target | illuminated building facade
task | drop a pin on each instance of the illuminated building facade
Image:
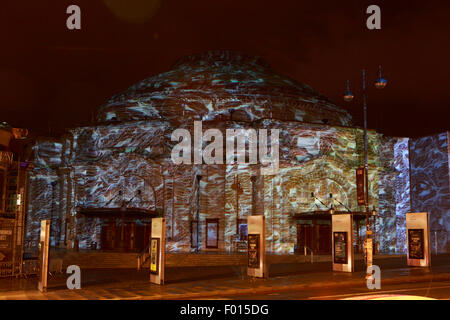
(101, 184)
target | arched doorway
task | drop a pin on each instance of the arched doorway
(117, 199)
(310, 192)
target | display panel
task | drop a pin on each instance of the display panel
(253, 251)
(340, 247)
(43, 255)
(416, 244)
(157, 250)
(418, 239)
(154, 255)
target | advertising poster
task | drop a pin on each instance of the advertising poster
(416, 244)
(340, 247)
(342, 239)
(43, 255)
(256, 249)
(154, 255)
(253, 251)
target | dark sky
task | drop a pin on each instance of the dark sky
(51, 77)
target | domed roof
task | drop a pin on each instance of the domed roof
(219, 86)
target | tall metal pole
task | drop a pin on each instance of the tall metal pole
(366, 172)
(365, 145)
(16, 217)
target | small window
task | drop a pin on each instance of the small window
(242, 228)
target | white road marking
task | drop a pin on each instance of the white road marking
(378, 292)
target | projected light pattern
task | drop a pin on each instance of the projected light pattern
(213, 85)
(104, 167)
(394, 195)
(45, 200)
(124, 162)
(430, 185)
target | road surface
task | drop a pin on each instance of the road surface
(435, 290)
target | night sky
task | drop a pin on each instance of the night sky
(52, 78)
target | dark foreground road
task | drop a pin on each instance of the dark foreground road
(436, 290)
(285, 281)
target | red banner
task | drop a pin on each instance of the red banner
(360, 186)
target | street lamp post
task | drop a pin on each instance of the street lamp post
(366, 174)
(380, 83)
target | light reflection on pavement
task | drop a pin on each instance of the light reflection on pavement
(389, 297)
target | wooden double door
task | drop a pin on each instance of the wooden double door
(131, 237)
(316, 237)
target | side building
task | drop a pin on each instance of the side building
(14, 169)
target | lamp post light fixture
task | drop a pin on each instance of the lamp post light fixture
(331, 210)
(348, 95)
(380, 83)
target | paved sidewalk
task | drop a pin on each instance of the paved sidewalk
(208, 282)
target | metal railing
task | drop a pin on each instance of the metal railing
(30, 267)
(8, 269)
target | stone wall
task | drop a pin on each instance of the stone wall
(430, 185)
(105, 167)
(44, 191)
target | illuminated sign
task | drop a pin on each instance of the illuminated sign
(154, 255)
(418, 237)
(416, 244)
(157, 250)
(256, 249)
(340, 247)
(253, 251)
(43, 255)
(342, 239)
